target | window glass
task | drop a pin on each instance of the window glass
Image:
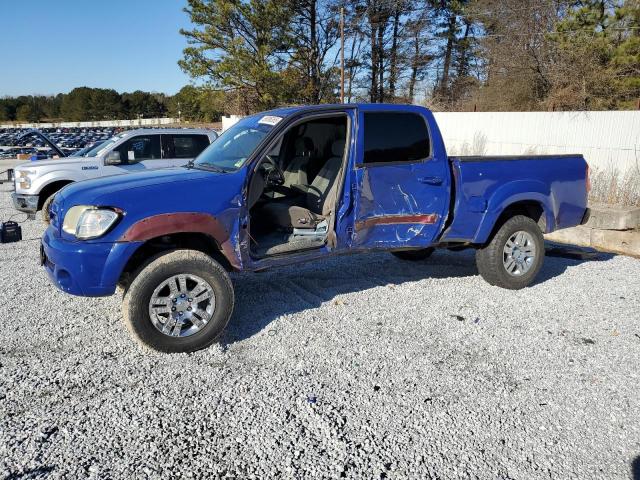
(232, 149)
(184, 146)
(391, 137)
(143, 147)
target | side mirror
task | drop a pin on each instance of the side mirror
(112, 158)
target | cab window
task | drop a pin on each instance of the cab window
(395, 137)
(142, 147)
(183, 146)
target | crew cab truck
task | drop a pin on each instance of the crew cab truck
(36, 183)
(296, 185)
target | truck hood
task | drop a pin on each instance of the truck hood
(155, 192)
(55, 162)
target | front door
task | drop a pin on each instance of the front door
(401, 190)
(137, 154)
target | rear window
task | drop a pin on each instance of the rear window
(393, 137)
(184, 146)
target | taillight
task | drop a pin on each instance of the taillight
(588, 179)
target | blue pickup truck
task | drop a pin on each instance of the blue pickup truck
(295, 185)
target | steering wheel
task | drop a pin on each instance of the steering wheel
(273, 174)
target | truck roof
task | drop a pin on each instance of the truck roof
(290, 110)
(138, 131)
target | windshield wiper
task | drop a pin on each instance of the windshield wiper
(209, 166)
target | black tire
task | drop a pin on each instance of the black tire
(413, 255)
(45, 208)
(135, 307)
(490, 259)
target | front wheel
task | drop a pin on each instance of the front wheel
(45, 208)
(514, 256)
(179, 302)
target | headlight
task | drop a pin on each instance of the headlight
(23, 180)
(86, 222)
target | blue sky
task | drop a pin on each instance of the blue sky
(52, 46)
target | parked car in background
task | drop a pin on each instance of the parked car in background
(132, 151)
(296, 185)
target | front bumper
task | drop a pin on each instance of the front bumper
(89, 269)
(25, 203)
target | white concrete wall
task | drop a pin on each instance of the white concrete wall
(606, 139)
(141, 122)
(229, 121)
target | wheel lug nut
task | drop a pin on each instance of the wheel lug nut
(173, 309)
(190, 300)
(189, 308)
(182, 295)
(173, 300)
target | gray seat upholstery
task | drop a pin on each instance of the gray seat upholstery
(308, 210)
(295, 173)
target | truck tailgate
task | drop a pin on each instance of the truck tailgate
(485, 186)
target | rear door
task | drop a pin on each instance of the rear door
(402, 189)
(178, 148)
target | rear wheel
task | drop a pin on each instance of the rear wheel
(179, 302)
(413, 255)
(514, 256)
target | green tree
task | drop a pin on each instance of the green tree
(598, 48)
(142, 104)
(76, 105)
(239, 46)
(28, 112)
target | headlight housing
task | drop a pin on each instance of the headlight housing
(86, 222)
(23, 180)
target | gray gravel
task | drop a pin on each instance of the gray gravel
(360, 366)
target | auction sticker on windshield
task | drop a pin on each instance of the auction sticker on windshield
(270, 120)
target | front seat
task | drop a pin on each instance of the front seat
(311, 208)
(295, 173)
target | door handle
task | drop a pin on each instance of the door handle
(431, 180)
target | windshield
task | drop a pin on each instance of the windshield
(232, 149)
(86, 151)
(102, 146)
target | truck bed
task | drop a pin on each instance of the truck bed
(484, 186)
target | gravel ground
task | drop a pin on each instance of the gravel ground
(358, 367)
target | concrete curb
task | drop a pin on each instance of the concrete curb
(626, 242)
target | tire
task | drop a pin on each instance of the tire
(493, 260)
(45, 208)
(198, 269)
(413, 255)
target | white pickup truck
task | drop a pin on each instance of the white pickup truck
(37, 182)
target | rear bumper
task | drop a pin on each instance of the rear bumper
(84, 268)
(25, 203)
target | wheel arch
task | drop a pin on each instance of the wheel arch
(155, 246)
(165, 232)
(532, 199)
(51, 188)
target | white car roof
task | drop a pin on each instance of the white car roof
(184, 131)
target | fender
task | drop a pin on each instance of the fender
(183, 222)
(510, 193)
(55, 176)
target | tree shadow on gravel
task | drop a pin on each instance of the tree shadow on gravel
(39, 472)
(263, 297)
